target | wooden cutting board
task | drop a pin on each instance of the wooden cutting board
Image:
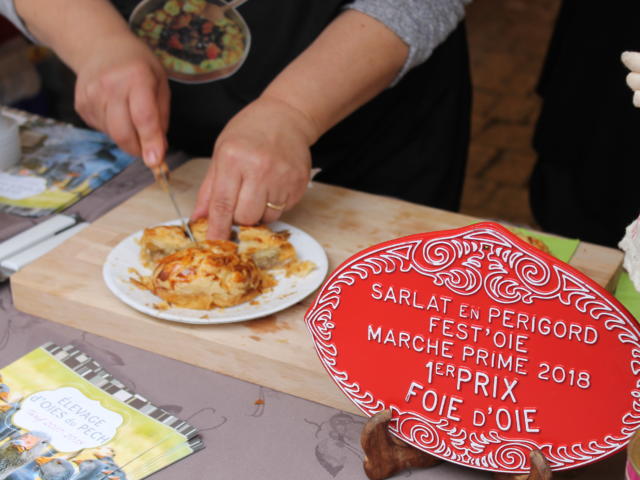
(66, 285)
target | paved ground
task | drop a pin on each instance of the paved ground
(508, 41)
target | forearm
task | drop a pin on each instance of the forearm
(121, 88)
(73, 28)
(421, 24)
(354, 59)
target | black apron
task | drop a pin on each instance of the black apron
(585, 183)
(409, 142)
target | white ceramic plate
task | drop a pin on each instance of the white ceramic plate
(126, 255)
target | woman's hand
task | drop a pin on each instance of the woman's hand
(123, 91)
(261, 160)
(632, 62)
(121, 87)
(260, 167)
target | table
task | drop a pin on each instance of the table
(281, 436)
(67, 286)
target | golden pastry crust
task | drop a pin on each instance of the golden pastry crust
(268, 249)
(214, 273)
(199, 229)
(211, 275)
(159, 242)
(300, 268)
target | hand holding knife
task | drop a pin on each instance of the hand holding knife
(160, 174)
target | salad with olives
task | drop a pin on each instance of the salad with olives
(187, 42)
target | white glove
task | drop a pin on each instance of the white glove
(632, 62)
(630, 244)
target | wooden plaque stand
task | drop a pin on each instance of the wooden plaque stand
(386, 455)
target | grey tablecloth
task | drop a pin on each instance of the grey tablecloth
(280, 437)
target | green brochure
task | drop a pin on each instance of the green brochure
(63, 417)
(561, 248)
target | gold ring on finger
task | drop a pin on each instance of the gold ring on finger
(276, 206)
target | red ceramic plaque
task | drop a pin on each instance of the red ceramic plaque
(483, 347)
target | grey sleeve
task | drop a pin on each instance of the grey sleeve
(8, 10)
(421, 24)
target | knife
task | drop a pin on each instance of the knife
(161, 177)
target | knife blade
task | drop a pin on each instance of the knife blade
(161, 176)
